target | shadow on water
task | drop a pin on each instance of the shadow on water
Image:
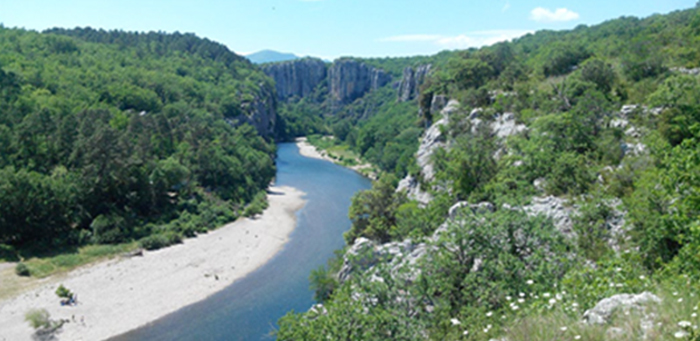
(250, 307)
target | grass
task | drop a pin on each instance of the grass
(679, 303)
(41, 267)
(56, 263)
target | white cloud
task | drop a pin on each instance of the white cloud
(462, 41)
(506, 7)
(560, 14)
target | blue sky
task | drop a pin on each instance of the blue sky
(332, 28)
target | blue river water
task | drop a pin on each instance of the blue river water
(250, 307)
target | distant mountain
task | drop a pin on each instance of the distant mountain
(269, 56)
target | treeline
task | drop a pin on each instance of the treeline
(500, 272)
(107, 137)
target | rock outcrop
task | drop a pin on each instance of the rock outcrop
(260, 113)
(297, 78)
(431, 141)
(603, 311)
(411, 81)
(350, 79)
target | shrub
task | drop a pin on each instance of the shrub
(109, 229)
(38, 318)
(63, 292)
(22, 270)
(160, 240)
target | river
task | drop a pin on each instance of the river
(250, 307)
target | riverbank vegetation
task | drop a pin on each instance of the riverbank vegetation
(573, 156)
(110, 137)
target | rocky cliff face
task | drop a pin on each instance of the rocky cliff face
(349, 80)
(411, 81)
(261, 112)
(296, 78)
(431, 141)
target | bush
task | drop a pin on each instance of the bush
(38, 318)
(22, 270)
(160, 240)
(109, 229)
(63, 292)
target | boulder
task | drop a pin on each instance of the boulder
(603, 311)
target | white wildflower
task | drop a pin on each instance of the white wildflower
(680, 334)
(489, 314)
(694, 315)
(514, 307)
(530, 282)
(455, 322)
(546, 295)
(642, 277)
(577, 337)
(618, 269)
(522, 294)
(521, 300)
(680, 300)
(684, 324)
(675, 293)
(466, 332)
(508, 298)
(563, 328)
(552, 301)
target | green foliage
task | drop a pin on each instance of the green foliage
(600, 73)
(21, 269)
(373, 212)
(103, 133)
(257, 206)
(160, 240)
(63, 292)
(560, 58)
(38, 318)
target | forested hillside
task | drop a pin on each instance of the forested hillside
(563, 170)
(109, 137)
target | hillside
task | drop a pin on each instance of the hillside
(111, 137)
(558, 170)
(269, 56)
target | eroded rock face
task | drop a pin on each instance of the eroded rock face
(411, 81)
(296, 78)
(603, 311)
(431, 141)
(365, 254)
(349, 80)
(261, 112)
(556, 209)
(504, 125)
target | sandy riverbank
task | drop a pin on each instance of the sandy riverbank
(122, 294)
(309, 150)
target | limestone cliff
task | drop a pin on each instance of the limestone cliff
(261, 112)
(296, 78)
(349, 80)
(411, 81)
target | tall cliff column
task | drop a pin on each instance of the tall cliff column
(297, 78)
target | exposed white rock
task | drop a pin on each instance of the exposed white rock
(431, 141)
(505, 125)
(686, 71)
(556, 209)
(601, 313)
